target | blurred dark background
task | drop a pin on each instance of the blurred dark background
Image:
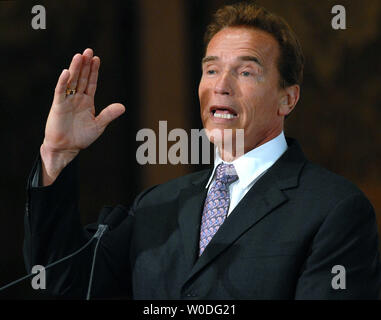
(150, 61)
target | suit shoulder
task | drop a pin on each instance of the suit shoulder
(327, 183)
(327, 196)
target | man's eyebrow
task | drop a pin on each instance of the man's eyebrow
(208, 58)
(251, 58)
(242, 58)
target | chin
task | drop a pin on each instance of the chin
(220, 135)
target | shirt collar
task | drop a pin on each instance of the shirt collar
(253, 163)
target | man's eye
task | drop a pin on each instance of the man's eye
(211, 71)
(246, 73)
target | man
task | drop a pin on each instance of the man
(264, 225)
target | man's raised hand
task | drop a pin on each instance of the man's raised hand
(72, 124)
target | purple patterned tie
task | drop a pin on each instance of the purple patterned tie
(216, 204)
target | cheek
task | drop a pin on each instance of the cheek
(200, 89)
(262, 103)
(251, 102)
(204, 95)
(256, 107)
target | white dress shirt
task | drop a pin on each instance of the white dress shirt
(250, 167)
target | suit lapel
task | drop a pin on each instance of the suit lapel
(190, 205)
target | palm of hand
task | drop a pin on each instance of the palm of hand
(72, 124)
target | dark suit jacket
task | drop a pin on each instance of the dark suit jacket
(280, 242)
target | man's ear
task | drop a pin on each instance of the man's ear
(288, 99)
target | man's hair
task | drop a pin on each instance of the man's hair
(247, 14)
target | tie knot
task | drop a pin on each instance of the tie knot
(226, 173)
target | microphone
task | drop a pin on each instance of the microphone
(112, 216)
(109, 218)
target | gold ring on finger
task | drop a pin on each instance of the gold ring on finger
(70, 92)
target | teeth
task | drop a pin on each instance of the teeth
(224, 115)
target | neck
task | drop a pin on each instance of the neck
(227, 156)
(231, 153)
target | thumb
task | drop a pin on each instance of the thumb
(109, 114)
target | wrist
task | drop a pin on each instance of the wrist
(53, 162)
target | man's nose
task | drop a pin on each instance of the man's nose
(223, 84)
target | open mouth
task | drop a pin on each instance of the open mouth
(223, 112)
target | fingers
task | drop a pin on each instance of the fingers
(60, 91)
(109, 114)
(85, 70)
(93, 76)
(74, 69)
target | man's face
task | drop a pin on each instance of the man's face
(239, 87)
